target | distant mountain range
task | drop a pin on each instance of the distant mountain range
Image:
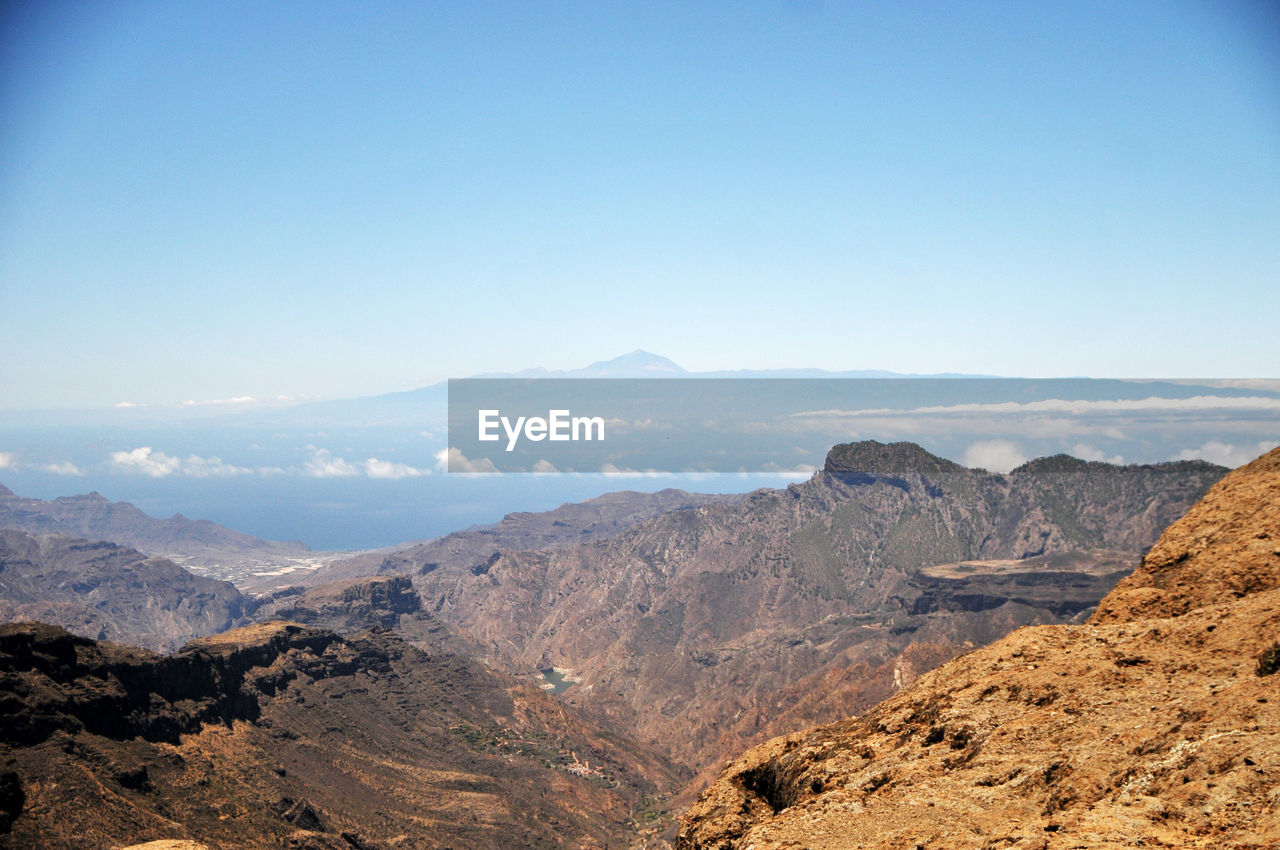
(570, 524)
(680, 627)
(644, 364)
(94, 517)
(416, 404)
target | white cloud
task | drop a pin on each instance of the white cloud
(1226, 454)
(6, 460)
(124, 404)
(146, 462)
(242, 399)
(1073, 406)
(544, 466)
(453, 460)
(1087, 452)
(375, 468)
(325, 465)
(157, 464)
(65, 467)
(994, 455)
(612, 471)
(211, 467)
(796, 471)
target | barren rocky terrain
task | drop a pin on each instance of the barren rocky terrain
(570, 524)
(1156, 724)
(112, 592)
(708, 629)
(280, 735)
(362, 711)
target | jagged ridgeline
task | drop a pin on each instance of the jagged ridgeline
(1155, 724)
(708, 628)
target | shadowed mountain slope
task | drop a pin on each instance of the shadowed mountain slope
(573, 523)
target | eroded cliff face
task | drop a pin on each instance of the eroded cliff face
(710, 628)
(283, 735)
(1156, 724)
(1226, 547)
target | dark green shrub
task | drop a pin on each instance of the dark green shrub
(1269, 660)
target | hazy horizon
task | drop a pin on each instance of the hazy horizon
(216, 201)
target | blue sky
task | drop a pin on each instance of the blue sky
(206, 201)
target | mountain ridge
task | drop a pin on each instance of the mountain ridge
(108, 591)
(706, 626)
(590, 519)
(92, 516)
(1154, 724)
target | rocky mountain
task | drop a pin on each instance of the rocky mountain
(345, 606)
(569, 524)
(1155, 724)
(111, 592)
(93, 517)
(711, 628)
(282, 735)
(677, 639)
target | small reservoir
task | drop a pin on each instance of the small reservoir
(557, 680)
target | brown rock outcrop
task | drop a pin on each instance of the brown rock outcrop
(1226, 547)
(1153, 725)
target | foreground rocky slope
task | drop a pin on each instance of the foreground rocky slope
(1156, 724)
(711, 628)
(111, 592)
(280, 735)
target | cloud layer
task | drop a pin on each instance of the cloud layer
(1226, 454)
(994, 455)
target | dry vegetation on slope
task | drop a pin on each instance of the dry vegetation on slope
(1157, 724)
(279, 735)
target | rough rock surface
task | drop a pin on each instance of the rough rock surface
(1157, 724)
(346, 606)
(280, 735)
(1226, 547)
(576, 522)
(709, 629)
(111, 592)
